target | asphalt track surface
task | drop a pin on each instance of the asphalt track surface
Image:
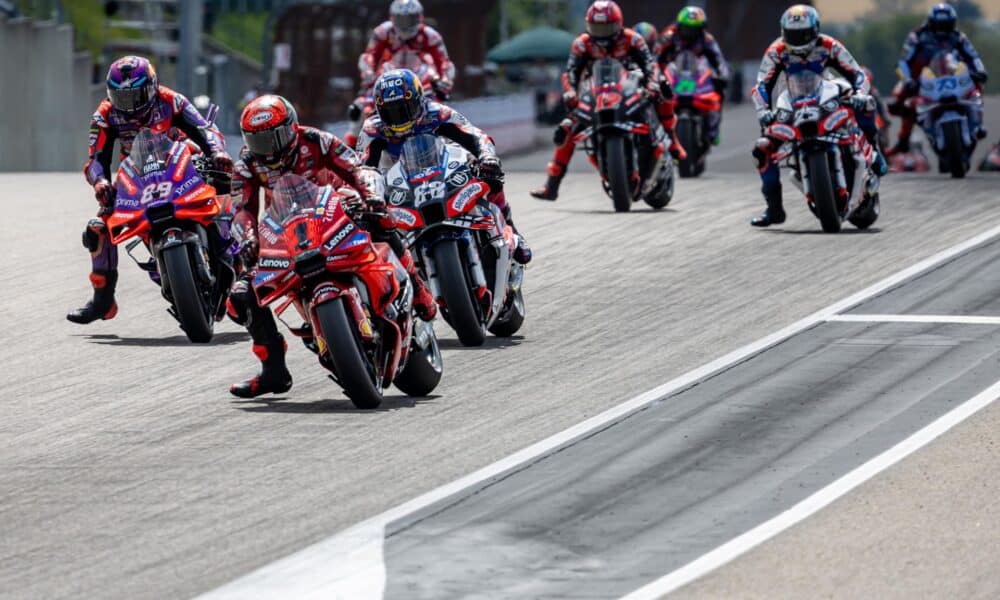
(127, 470)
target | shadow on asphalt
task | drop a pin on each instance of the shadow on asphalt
(340, 405)
(492, 342)
(847, 231)
(220, 339)
(643, 210)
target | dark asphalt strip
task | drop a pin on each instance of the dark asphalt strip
(650, 493)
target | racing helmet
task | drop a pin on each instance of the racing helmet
(648, 32)
(269, 125)
(800, 28)
(399, 100)
(132, 84)
(942, 19)
(605, 22)
(691, 22)
(407, 16)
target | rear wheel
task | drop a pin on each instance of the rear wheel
(824, 197)
(423, 365)
(344, 349)
(954, 149)
(687, 135)
(186, 294)
(457, 295)
(617, 172)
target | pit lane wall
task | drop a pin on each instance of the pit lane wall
(46, 97)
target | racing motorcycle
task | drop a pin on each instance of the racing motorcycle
(422, 64)
(353, 296)
(830, 158)
(463, 245)
(949, 106)
(617, 125)
(695, 102)
(169, 199)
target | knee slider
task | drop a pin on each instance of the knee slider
(93, 233)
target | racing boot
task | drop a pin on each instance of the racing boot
(273, 378)
(676, 150)
(550, 191)
(423, 299)
(522, 253)
(775, 213)
(103, 305)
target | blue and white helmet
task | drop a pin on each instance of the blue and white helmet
(800, 28)
(407, 16)
(942, 18)
(399, 100)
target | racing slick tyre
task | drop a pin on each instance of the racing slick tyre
(457, 294)
(618, 179)
(954, 149)
(423, 367)
(511, 319)
(687, 136)
(867, 213)
(343, 347)
(186, 295)
(821, 184)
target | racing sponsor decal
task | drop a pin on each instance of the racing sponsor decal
(261, 118)
(397, 196)
(459, 179)
(270, 262)
(453, 165)
(338, 237)
(403, 216)
(468, 194)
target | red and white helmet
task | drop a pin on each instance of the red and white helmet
(269, 126)
(407, 16)
(605, 21)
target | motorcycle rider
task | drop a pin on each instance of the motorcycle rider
(938, 33)
(606, 37)
(405, 30)
(135, 101)
(276, 144)
(690, 33)
(402, 111)
(802, 47)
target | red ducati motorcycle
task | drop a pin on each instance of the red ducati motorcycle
(352, 293)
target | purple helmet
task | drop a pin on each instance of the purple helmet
(132, 84)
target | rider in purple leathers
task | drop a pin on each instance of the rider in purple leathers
(135, 101)
(802, 47)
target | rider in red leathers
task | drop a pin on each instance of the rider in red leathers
(405, 30)
(275, 145)
(606, 36)
(135, 102)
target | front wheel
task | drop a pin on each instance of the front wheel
(343, 347)
(617, 172)
(457, 295)
(186, 295)
(824, 197)
(954, 149)
(687, 135)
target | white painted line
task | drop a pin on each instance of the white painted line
(942, 319)
(768, 529)
(349, 564)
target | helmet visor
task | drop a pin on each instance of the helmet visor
(942, 25)
(269, 143)
(800, 38)
(603, 30)
(400, 114)
(131, 99)
(406, 25)
(688, 33)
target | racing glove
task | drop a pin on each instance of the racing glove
(104, 192)
(765, 118)
(490, 171)
(570, 100)
(442, 87)
(221, 161)
(910, 87)
(979, 77)
(862, 103)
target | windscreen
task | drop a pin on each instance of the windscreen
(804, 84)
(421, 152)
(290, 196)
(608, 71)
(150, 151)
